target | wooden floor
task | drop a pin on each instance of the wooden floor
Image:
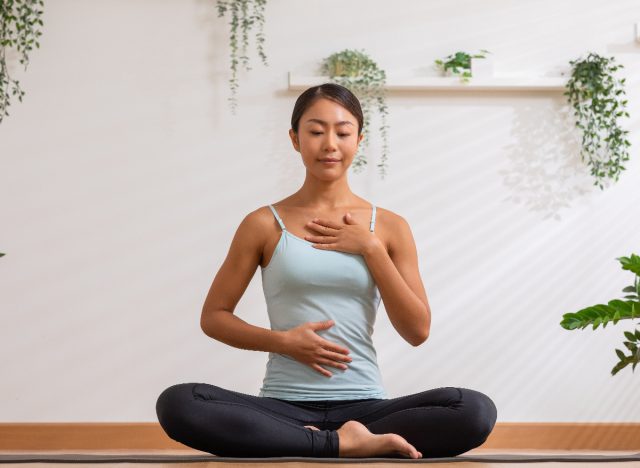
(296, 464)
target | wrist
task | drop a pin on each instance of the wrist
(373, 247)
(279, 341)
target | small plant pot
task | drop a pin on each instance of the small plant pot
(482, 67)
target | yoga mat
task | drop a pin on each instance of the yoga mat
(143, 458)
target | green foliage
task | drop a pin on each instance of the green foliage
(356, 71)
(598, 101)
(631, 263)
(459, 64)
(240, 17)
(613, 311)
(19, 23)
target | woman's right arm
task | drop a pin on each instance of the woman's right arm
(218, 320)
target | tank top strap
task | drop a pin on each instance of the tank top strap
(275, 213)
(373, 218)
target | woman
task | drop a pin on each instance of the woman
(327, 258)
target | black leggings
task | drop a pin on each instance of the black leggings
(442, 422)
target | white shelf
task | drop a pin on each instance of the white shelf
(450, 83)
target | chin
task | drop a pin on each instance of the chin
(329, 175)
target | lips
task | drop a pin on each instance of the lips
(330, 160)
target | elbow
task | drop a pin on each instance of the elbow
(424, 335)
(421, 339)
(210, 321)
(206, 323)
(204, 327)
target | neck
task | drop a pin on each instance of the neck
(325, 195)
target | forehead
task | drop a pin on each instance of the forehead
(327, 112)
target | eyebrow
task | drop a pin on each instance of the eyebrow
(343, 122)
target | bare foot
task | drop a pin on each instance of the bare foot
(314, 428)
(356, 441)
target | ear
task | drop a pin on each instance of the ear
(294, 139)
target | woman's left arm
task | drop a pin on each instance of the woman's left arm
(398, 279)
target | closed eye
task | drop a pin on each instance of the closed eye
(339, 134)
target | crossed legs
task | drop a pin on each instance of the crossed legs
(440, 422)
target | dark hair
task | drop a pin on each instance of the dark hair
(332, 91)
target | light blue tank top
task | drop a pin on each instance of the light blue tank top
(304, 284)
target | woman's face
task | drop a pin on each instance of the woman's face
(327, 131)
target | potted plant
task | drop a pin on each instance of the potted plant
(459, 64)
(355, 70)
(19, 31)
(614, 311)
(241, 18)
(597, 97)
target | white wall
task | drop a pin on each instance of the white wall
(124, 177)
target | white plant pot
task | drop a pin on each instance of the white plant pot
(482, 67)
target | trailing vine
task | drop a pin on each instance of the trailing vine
(459, 64)
(241, 18)
(356, 71)
(614, 311)
(19, 30)
(598, 101)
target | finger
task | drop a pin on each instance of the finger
(323, 230)
(339, 357)
(329, 346)
(328, 362)
(327, 246)
(319, 325)
(321, 239)
(324, 223)
(321, 370)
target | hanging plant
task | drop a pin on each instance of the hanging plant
(240, 17)
(19, 22)
(614, 311)
(598, 101)
(356, 71)
(459, 64)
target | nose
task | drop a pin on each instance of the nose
(330, 142)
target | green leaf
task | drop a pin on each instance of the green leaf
(616, 317)
(597, 322)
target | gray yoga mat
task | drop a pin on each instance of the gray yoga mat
(141, 458)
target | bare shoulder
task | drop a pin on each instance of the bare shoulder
(260, 217)
(388, 216)
(393, 229)
(257, 225)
